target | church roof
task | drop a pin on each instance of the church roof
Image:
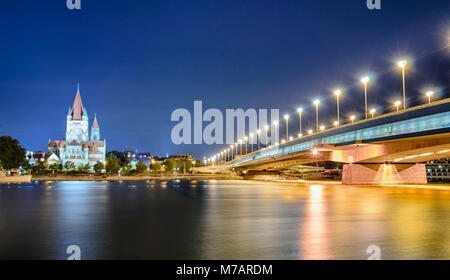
(97, 143)
(56, 144)
(77, 108)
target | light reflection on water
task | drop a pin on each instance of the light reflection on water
(221, 220)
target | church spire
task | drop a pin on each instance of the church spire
(95, 124)
(77, 108)
(95, 130)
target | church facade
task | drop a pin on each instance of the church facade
(79, 147)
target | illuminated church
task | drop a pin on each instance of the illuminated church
(78, 147)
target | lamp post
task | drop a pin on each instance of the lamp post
(251, 142)
(275, 123)
(372, 112)
(266, 128)
(352, 118)
(286, 117)
(316, 103)
(232, 154)
(258, 138)
(365, 80)
(338, 94)
(402, 64)
(300, 112)
(429, 94)
(236, 148)
(397, 104)
(246, 142)
(240, 146)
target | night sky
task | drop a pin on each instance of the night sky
(137, 61)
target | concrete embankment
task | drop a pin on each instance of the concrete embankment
(15, 179)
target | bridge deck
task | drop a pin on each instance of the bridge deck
(429, 119)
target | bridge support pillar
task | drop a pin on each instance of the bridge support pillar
(378, 174)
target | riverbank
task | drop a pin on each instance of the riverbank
(15, 179)
(134, 178)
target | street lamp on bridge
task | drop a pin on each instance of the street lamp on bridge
(246, 142)
(402, 64)
(397, 104)
(316, 103)
(372, 112)
(338, 94)
(251, 141)
(300, 112)
(276, 130)
(352, 118)
(429, 94)
(240, 144)
(286, 117)
(365, 80)
(258, 138)
(266, 128)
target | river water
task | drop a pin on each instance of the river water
(221, 220)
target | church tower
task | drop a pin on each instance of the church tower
(95, 130)
(77, 121)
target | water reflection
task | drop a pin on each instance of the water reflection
(221, 220)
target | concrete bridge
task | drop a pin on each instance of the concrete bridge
(390, 148)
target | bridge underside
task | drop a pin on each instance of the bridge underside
(384, 162)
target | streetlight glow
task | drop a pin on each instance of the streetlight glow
(429, 94)
(397, 104)
(352, 118)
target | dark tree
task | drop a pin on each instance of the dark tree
(56, 168)
(39, 169)
(98, 167)
(69, 166)
(12, 155)
(141, 167)
(169, 164)
(121, 157)
(112, 166)
(84, 168)
(155, 167)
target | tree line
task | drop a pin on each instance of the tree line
(13, 156)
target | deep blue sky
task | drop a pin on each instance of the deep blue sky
(137, 61)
